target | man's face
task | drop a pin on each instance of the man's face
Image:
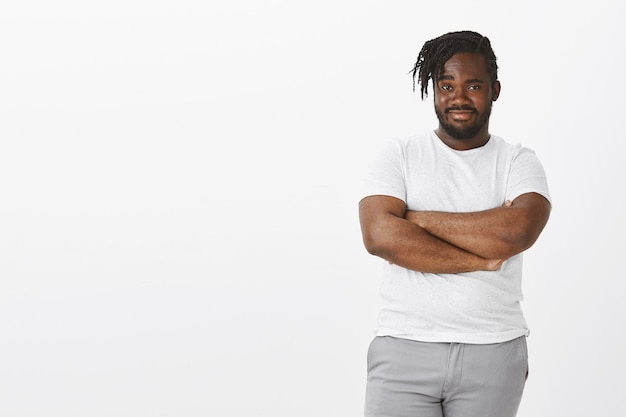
(463, 97)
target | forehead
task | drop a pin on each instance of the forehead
(465, 65)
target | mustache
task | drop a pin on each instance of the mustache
(461, 108)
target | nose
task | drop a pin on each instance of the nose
(459, 95)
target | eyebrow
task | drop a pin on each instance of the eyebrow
(469, 81)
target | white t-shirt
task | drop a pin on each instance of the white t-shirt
(475, 307)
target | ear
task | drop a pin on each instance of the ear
(495, 92)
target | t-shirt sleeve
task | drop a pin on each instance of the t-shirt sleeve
(385, 175)
(527, 176)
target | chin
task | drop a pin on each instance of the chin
(463, 130)
(463, 133)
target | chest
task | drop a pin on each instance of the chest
(455, 183)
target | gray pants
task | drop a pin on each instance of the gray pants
(417, 379)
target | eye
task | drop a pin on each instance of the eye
(446, 87)
(473, 87)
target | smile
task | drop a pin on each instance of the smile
(460, 114)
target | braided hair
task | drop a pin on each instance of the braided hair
(436, 52)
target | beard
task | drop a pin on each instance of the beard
(466, 132)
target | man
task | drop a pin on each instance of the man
(451, 211)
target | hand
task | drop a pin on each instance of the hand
(415, 217)
(490, 264)
(494, 264)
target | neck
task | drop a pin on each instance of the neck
(464, 144)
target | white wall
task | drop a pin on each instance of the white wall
(178, 194)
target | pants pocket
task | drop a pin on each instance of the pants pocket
(524, 351)
(370, 350)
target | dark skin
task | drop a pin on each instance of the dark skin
(464, 94)
(441, 242)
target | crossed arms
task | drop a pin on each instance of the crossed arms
(441, 242)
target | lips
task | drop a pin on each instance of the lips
(460, 115)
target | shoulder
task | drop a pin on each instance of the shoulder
(503, 145)
(409, 141)
(418, 144)
(513, 150)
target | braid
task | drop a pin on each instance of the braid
(436, 52)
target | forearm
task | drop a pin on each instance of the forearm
(482, 233)
(496, 233)
(410, 246)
